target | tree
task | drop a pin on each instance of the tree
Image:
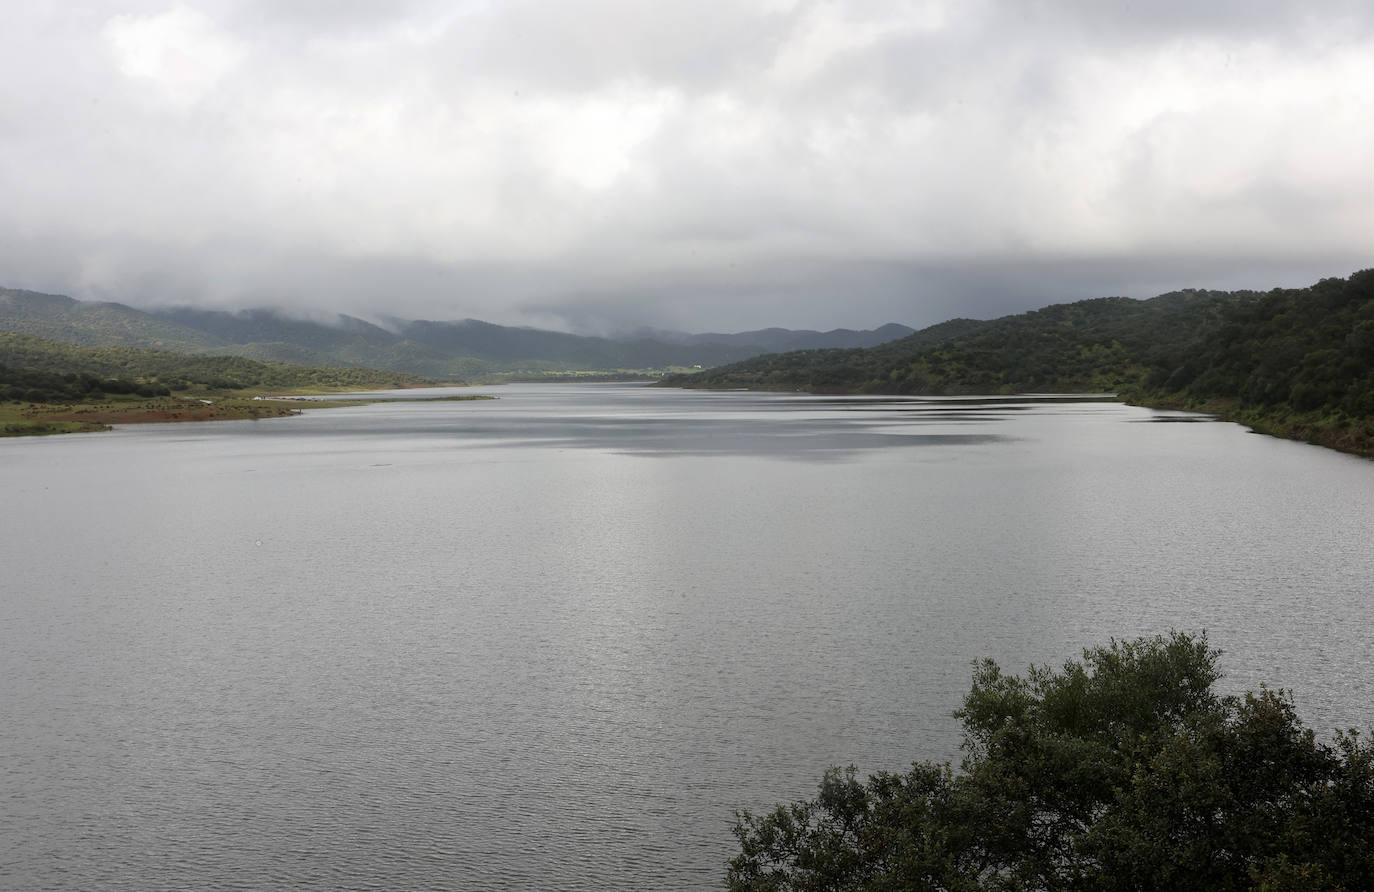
(1125, 771)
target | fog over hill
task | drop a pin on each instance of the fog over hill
(436, 348)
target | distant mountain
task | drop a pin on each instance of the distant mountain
(330, 333)
(778, 340)
(93, 323)
(462, 349)
(334, 339)
(504, 344)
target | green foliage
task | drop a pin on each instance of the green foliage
(1102, 345)
(91, 323)
(1125, 771)
(1305, 350)
(39, 370)
(1293, 362)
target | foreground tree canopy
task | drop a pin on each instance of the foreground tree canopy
(1125, 771)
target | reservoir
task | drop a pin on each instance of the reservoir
(552, 640)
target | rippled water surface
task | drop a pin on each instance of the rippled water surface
(552, 640)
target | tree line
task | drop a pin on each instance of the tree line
(28, 385)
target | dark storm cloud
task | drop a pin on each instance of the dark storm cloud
(610, 163)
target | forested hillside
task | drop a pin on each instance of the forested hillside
(1294, 362)
(1308, 349)
(40, 370)
(1089, 346)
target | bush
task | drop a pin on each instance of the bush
(1123, 772)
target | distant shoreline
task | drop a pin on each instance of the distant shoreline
(44, 419)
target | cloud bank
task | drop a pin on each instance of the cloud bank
(600, 164)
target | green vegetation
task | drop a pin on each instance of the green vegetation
(1096, 345)
(30, 419)
(51, 387)
(1292, 362)
(90, 323)
(26, 359)
(1296, 363)
(1125, 771)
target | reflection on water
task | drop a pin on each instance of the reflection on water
(643, 421)
(552, 640)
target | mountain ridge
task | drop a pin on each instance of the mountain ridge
(436, 348)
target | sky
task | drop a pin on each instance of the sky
(602, 165)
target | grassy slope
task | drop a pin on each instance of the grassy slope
(62, 318)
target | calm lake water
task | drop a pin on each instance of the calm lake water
(551, 641)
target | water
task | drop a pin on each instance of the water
(553, 640)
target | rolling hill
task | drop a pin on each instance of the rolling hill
(93, 323)
(42, 370)
(1296, 362)
(444, 349)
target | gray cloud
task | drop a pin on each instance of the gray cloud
(610, 163)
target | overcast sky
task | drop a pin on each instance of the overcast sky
(723, 165)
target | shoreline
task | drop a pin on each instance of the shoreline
(49, 419)
(1353, 436)
(1350, 435)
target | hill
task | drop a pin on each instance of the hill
(781, 340)
(467, 348)
(507, 345)
(1293, 362)
(41, 370)
(62, 318)
(1089, 346)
